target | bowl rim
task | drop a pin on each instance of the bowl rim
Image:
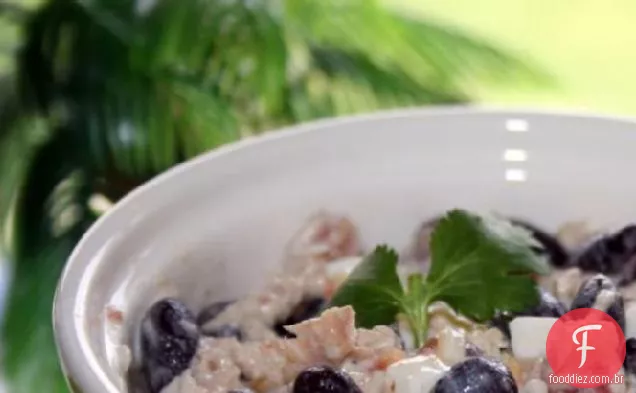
(79, 363)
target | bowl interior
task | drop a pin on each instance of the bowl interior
(213, 228)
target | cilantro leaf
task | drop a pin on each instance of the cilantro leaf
(373, 289)
(481, 265)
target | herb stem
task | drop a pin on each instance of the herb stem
(416, 309)
(418, 323)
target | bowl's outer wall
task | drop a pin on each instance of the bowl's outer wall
(213, 228)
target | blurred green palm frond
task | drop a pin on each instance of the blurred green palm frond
(105, 94)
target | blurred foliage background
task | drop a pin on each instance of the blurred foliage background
(98, 96)
(584, 44)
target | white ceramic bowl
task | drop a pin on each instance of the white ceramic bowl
(214, 227)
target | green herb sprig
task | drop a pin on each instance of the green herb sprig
(479, 266)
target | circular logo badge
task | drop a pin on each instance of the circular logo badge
(585, 348)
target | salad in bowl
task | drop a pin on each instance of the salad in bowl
(467, 309)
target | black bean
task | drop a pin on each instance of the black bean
(548, 306)
(477, 375)
(169, 340)
(323, 379)
(550, 246)
(588, 297)
(613, 254)
(280, 330)
(305, 310)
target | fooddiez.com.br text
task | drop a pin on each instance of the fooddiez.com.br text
(583, 379)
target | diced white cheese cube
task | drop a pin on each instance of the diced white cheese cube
(529, 336)
(451, 347)
(417, 374)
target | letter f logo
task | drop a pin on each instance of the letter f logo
(584, 347)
